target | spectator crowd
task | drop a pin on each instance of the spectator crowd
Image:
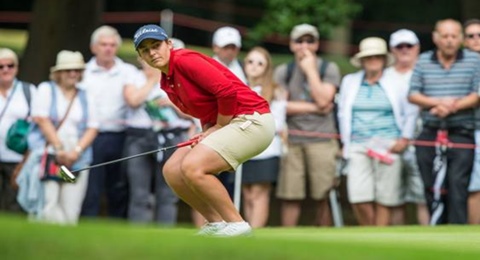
(405, 127)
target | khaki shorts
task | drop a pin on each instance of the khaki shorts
(315, 160)
(242, 139)
(371, 181)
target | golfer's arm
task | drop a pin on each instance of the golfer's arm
(223, 120)
(49, 131)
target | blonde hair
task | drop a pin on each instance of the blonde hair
(269, 87)
(105, 30)
(6, 53)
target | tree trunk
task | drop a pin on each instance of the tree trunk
(58, 25)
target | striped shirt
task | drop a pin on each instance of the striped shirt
(372, 115)
(430, 78)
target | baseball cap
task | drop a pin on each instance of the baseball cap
(403, 36)
(303, 29)
(227, 35)
(149, 31)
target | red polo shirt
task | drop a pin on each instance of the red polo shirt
(203, 88)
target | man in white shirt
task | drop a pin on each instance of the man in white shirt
(105, 78)
(405, 47)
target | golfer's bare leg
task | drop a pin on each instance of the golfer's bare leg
(199, 167)
(174, 178)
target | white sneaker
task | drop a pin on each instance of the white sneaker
(234, 229)
(211, 228)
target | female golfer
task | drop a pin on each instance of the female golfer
(236, 123)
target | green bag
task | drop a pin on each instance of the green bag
(17, 136)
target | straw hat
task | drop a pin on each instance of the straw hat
(372, 46)
(68, 60)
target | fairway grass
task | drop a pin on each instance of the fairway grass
(20, 239)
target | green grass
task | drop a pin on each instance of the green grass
(20, 239)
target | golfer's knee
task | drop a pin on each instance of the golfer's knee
(192, 172)
(171, 172)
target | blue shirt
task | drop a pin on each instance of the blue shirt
(372, 114)
(430, 78)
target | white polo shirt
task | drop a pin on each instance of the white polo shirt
(106, 87)
(138, 117)
(17, 109)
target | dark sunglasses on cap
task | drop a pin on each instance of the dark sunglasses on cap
(473, 35)
(10, 66)
(404, 45)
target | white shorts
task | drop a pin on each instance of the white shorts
(371, 181)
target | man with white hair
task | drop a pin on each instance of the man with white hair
(405, 47)
(105, 78)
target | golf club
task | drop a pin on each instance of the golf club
(69, 176)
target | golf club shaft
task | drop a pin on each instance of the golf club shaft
(183, 144)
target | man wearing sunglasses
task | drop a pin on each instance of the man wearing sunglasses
(311, 84)
(405, 47)
(471, 30)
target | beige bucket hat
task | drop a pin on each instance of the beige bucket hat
(68, 60)
(372, 46)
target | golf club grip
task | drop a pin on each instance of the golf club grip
(182, 144)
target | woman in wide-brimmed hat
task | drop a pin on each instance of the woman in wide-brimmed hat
(65, 126)
(373, 118)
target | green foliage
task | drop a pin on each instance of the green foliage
(282, 15)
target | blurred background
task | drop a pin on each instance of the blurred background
(38, 29)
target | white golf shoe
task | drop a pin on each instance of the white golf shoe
(234, 229)
(211, 228)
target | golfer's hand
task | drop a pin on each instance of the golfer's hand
(199, 137)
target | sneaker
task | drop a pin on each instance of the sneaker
(234, 229)
(211, 228)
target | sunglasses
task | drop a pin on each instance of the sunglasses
(72, 70)
(473, 35)
(259, 63)
(308, 40)
(402, 46)
(8, 66)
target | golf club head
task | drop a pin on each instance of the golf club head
(66, 174)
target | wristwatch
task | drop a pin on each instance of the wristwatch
(78, 149)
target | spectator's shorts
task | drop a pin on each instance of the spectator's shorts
(371, 181)
(312, 163)
(414, 191)
(475, 178)
(242, 139)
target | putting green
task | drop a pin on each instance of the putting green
(20, 239)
